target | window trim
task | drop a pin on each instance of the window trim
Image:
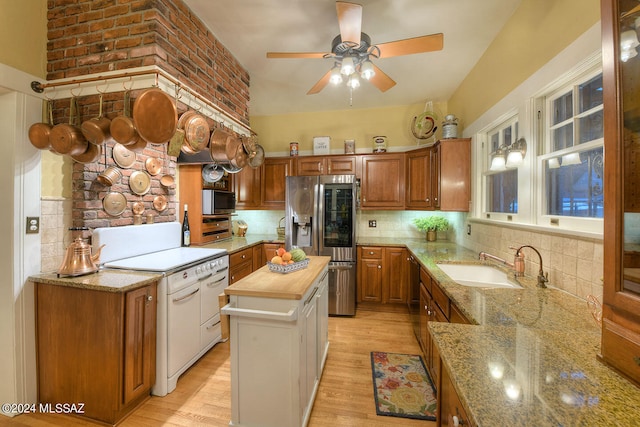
(510, 117)
(542, 100)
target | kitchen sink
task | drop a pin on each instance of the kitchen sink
(478, 276)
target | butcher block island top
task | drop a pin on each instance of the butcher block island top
(267, 284)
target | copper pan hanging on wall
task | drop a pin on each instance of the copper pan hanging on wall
(122, 128)
(39, 132)
(67, 138)
(218, 145)
(155, 116)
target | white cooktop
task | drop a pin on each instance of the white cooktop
(147, 247)
(166, 260)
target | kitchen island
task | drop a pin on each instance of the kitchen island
(279, 344)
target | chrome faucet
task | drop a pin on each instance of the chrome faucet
(543, 277)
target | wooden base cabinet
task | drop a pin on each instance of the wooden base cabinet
(451, 411)
(383, 275)
(97, 348)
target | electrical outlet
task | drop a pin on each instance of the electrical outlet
(373, 223)
(33, 225)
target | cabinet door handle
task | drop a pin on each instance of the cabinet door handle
(379, 266)
(427, 199)
(149, 297)
(244, 256)
(329, 170)
(370, 252)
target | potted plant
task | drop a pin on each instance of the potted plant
(431, 225)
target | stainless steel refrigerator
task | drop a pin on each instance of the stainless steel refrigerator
(320, 218)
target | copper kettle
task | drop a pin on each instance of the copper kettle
(78, 260)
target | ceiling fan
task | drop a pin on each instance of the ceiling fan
(352, 51)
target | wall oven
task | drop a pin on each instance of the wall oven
(188, 315)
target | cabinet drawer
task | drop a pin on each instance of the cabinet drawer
(240, 257)
(209, 225)
(621, 348)
(369, 252)
(425, 279)
(215, 236)
(440, 298)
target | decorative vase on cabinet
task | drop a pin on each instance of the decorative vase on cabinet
(621, 296)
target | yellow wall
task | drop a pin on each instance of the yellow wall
(276, 132)
(537, 31)
(23, 45)
(23, 35)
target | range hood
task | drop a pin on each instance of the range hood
(201, 157)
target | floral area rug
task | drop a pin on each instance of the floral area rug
(402, 387)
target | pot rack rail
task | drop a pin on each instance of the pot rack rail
(138, 78)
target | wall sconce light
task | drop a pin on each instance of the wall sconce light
(516, 153)
(498, 162)
(509, 156)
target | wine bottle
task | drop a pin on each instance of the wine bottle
(186, 234)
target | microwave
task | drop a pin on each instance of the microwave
(218, 202)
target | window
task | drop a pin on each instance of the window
(501, 183)
(573, 162)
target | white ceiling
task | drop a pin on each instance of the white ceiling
(250, 28)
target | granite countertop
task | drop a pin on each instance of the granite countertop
(264, 283)
(236, 244)
(541, 344)
(538, 346)
(104, 280)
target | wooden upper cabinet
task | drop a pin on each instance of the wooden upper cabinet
(439, 177)
(273, 181)
(327, 165)
(246, 185)
(419, 194)
(453, 158)
(382, 181)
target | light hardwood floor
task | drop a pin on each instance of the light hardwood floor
(344, 398)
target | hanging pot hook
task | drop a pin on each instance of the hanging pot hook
(124, 84)
(101, 92)
(79, 91)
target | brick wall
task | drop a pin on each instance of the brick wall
(95, 36)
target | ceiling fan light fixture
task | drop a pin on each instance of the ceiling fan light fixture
(366, 70)
(354, 81)
(348, 67)
(336, 77)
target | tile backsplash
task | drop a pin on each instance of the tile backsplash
(574, 264)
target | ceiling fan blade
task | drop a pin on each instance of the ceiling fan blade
(381, 80)
(421, 44)
(350, 21)
(321, 84)
(296, 54)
